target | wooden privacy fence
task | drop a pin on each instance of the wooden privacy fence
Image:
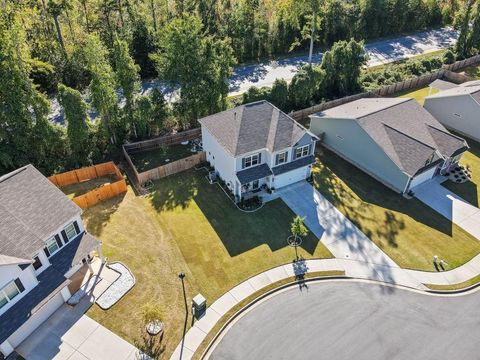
(88, 173)
(447, 72)
(167, 169)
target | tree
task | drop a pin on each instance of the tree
(462, 46)
(102, 85)
(195, 62)
(298, 227)
(473, 38)
(78, 124)
(306, 85)
(279, 94)
(55, 8)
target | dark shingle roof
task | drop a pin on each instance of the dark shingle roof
(50, 282)
(406, 132)
(253, 173)
(292, 165)
(255, 126)
(31, 208)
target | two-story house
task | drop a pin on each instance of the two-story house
(257, 145)
(42, 244)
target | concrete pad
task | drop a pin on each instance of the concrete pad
(427, 277)
(77, 356)
(472, 224)
(70, 328)
(276, 274)
(193, 338)
(208, 321)
(104, 344)
(242, 291)
(181, 354)
(222, 305)
(43, 345)
(259, 281)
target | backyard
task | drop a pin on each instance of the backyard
(150, 159)
(187, 225)
(83, 187)
(420, 94)
(407, 230)
(469, 190)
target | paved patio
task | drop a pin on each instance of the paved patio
(450, 205)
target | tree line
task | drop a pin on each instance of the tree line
(102, 48)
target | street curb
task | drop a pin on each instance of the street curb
(454, 292)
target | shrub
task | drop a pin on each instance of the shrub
(448, 57)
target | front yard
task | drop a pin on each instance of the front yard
(407, 230)
(187, 225)
(469, 191)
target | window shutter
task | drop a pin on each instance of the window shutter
(77, 229)
(64, 235)
(276, 159)
(294, 154)
(243, 163)
(59, 242)
(310, 149)
(45, 250)
(259, 158)
(19, 284)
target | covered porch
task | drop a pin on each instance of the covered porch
(254, 181)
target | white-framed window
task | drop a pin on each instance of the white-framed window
(37, 263)
(52, 245)
(8, 293)
(251, 160)
(302, 151)
(70, 231)
(282, 158)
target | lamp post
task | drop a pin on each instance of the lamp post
(181, 276)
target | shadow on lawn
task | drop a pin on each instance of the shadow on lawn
(97, 216)
(239, 231)
(370, 191)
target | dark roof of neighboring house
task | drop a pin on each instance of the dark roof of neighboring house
(253, 173)
(51, 281)
(292, 165)
(255, 126)
(469, 88)
(31, 208)
(406, 132)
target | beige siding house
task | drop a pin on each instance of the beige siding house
(395, 141)
(458, 108)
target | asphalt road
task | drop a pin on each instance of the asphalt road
(265, 73)
(353, 320)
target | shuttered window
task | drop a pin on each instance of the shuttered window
(281, 158)
(251, 160)
(10, 292)
(52, 246)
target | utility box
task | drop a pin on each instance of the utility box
(199, 305)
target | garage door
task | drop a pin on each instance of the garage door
(290, 177)
(421, 178)
(36, 320)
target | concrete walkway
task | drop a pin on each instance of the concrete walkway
(450, 205)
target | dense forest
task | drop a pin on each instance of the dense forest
(66, 48)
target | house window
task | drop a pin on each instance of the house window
(302, 151)
(251, 160)
(70, 231)
(52, 245)
(281, 158)
(8, 293)
(37, 264)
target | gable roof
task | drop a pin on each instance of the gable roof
(464, 89)
(254, 126)
(31, 208)
(442, 85)
(408, 134)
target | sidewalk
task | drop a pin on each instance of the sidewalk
(450, 205)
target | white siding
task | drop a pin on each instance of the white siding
(459, 113)
(9, 273)
(291, 177)
(421, 178)
(218, 157)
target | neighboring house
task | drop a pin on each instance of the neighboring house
(257, 145)
(458, 108)
(395, 141)
(42, 244)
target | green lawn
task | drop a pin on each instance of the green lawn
(420, 94)
(187, 225)
(151, 159)
(407, 230)
(83, 187)
(470, 190)
(459, 286)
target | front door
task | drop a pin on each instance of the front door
(255, 184)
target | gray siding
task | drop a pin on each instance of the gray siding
(445, 108)
(350, 141)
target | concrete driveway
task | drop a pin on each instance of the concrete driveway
(450, 205)
(354, 320)
(69, 334)
(334, 230)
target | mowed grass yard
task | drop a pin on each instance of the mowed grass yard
(470, 190)
(407, 230)
(187, 225)
(420, 94)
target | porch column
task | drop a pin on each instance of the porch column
(90, 268)
(100, 253)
